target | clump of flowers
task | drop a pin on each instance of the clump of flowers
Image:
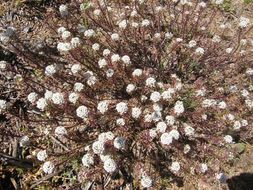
(142, 82)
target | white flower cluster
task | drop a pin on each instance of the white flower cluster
(6, 35)
(3, 65)
(48, 167)
(2, 105)
(42, 155)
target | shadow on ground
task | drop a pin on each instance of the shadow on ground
(243, 181)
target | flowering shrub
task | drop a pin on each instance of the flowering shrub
(144, 91)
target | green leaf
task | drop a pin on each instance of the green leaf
(248, 1)
(240, 147)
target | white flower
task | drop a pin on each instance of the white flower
(175, 166)
(121, 108)
(50, 70)
(41, 104)
(115, 36)
(201, 92)
(65, 35)
(95, 47)
(24, 141)
(148, 118)
(168, 35)
(174, 133)
(249, 103)
(203, 168)
(237, 125)
(156, 116)
(202, 4)
(119, 143)
(126, 59)
(145, 22)
(82, 112)
(243, 42)
(222, 105)
(218, 2)
(64, 47)
(150, 82)
(166, 139)
(216, 39)
(157, 35)
(7, 34)
(221, 177)
(179, 107)
(200, 50)
(229, 50)
(187, 148)
(73, 97)
(170, 120)
(158, 9)
(137, 72)
(115, 58)
(32, 97)
(192, 43)
(103, 157)
(110, 165)
(167, 94)
(48, 167)
(143, 98)
(208, 103)
(3, 65)
(243, 22)
(244, 122)
(249, 71)
(61, 30)
(152, 133)
(91, 80)
(146, 181)
(179, 40)
(134, 24)
(97, 12)
(189, 131)
(98, 147)
(75, 68)
(120, 122)
(231, 117)
(58, 98)
(155, 96)
(157, 107)
(228, 139)
(75, 42)
(107, 136)
(48, 94)
(106, 52)
(245, 93)
(63, 10)
(88, 160)
(2, 105)
(109, 73)
(133, 13)
(136, 112)
(130, 88)
(60, 131)
(103, 106)
(122, 24)
(42, 155)
(78, 87)
(161, 127)
(89, 33)
(204, 116)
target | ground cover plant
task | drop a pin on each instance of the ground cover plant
(132, 94)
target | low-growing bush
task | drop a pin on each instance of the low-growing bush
(146, 93)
